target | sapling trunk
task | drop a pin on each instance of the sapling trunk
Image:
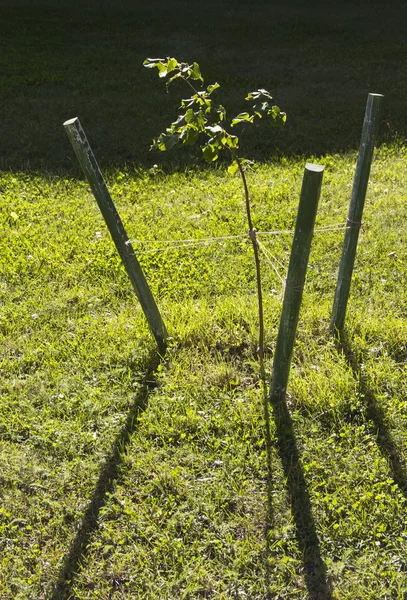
(253, 238)
(260, 351)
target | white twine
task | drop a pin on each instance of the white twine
(270, 258)
(162, 245)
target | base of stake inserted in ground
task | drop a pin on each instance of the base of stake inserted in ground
(304, 227)
(95, 179)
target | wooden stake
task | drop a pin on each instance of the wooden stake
(95, 179)
(354, 222)
(304, 227)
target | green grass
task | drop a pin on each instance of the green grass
(126, 477)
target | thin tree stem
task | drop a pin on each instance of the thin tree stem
(246, 191)
(190, 84)
(252, 235)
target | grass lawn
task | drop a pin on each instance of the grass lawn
(167, 460)
(124, 474)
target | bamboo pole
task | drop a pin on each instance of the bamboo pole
(354, 222)
(95, 179)
(304, 227)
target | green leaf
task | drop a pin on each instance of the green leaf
(210, 153)
(212, 87)
(200, 121)
(162, 70)
(278, 118)
(172, 64)
(208, 104)
(150, 63)
(197, 119)
(165, 141)
(187, 102)
(232, 142)
(246, 163)
(265, 93)
(214, 129)
(258, 94)
(242, 118)
(195, 72)
(158, 63)
(233, 168)
(189, 116)
(200, 98)
(189, 136)
(171, 141)
(263, 107)
(184, 68)
(164, 66)
(220, 111)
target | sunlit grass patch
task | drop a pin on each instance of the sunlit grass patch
(184, 504)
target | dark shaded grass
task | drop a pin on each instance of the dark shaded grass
(64, 59)
(105, 485)
(315, 571)
(375, 415)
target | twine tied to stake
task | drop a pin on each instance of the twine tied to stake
(350, 223)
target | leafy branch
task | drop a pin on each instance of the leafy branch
(202, 118)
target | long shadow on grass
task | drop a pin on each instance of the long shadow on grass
(270, 513)
(315, 573)
(375, 415)
(108, 474)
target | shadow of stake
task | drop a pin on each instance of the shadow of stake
(269, 484)
(375, 415)
(62, 589)
(315, 572)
